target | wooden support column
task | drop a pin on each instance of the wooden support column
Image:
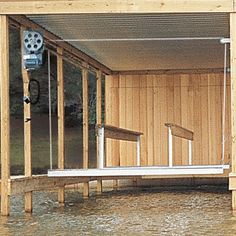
(85, 126)
(5, 115)
(27, 132)
(99, 119)
(61, 130)
(27, 141)
(232, 177)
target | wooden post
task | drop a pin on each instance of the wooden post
(99, 120)
(233, 105)
(85, 126)
(60, 117)
(27, 131)
(5, 115)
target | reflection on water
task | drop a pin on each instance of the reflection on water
(205, 211)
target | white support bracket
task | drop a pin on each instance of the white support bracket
(101, 139)
(180, 132)
(138, 151)
(170, 147)
(190, 154)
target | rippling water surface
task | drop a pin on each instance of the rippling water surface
(205, 211)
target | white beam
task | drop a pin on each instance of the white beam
(139, 171)
(101, 146)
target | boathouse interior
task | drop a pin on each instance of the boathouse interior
(168, 83)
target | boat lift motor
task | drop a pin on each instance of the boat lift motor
(33, 50)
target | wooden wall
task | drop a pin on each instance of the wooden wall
(146, 102)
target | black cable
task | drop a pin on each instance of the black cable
(36, 100)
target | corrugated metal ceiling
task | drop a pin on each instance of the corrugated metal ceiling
(142, 55)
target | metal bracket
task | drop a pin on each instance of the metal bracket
(26, 99)
(27, 120)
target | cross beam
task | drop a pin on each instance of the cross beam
(113, 6)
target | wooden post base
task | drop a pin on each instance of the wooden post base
(232, 186)
(234, 200)
(86, 190)
(115, 184)
(61, 195)
(28, 202)
(5, 205)
(99, 187)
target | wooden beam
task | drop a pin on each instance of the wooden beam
(68, 48)
(99, 117)
(85, 127)
(111, 6)
(5, 114)
(180, 132)
(27, 130)
(233, 103)
(119, 133)
(21, 184)
(167, 72)
(60, 116)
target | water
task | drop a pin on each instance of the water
(203, 211)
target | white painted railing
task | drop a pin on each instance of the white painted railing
(108, 131)
(178, 131)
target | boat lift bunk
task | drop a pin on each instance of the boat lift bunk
(107, 131)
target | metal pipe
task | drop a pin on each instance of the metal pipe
(170, 152)
(138, 39)
(138, 151)
(101, 140)
(225, 40)
(224, 105)
(50, 108)
(190, 152)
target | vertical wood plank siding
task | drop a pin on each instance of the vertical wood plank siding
(146, 102)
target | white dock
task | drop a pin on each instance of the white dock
(140, 171)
